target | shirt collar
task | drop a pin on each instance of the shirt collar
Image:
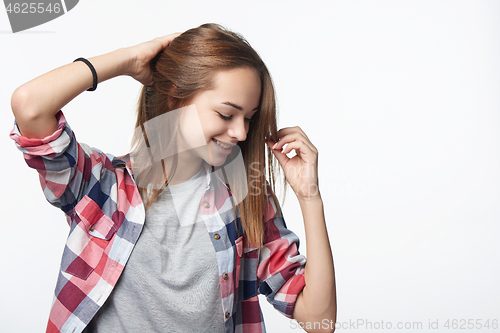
(126, 161)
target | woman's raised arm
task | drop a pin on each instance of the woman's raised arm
(36, 102)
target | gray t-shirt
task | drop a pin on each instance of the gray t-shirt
(171, 281)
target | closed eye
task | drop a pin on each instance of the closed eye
(249, 120)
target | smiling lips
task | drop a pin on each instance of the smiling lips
(222, 145)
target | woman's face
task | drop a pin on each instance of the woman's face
(220, 117)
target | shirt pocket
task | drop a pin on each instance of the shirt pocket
(247, 259)
(88, 239)
(95, 222)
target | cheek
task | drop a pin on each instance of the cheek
(211, 129)
(191, 127)
(212, 126)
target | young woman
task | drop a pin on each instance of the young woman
(183, 233)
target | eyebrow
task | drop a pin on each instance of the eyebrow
(237, 107)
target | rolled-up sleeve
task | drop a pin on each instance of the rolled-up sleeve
(61, 163)
(281, 266)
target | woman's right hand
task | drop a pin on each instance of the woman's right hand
(142, 54)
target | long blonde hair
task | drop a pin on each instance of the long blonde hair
(187, 66)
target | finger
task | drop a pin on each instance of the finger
(293, 145)
(166, 40)
(301, 149)
(162, 42)
(288, 130)
(294, 136)
(282, 133)
(282, 158)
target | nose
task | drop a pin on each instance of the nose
(238, 129)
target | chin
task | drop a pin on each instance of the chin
(216, 163)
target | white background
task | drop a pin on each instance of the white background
(401, 98)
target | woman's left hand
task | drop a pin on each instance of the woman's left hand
(301, 171)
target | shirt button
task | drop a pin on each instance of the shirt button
(92, 227)
(227, 315)
(206, 205)
(224, 276)
(216, 236)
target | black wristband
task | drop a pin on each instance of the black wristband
(92, 69)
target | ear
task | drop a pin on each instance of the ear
(172, 90)
(171, 100)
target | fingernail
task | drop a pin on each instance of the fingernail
(274, 146)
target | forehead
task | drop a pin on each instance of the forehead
(240, 86)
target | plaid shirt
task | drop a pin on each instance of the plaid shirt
(106, 214)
